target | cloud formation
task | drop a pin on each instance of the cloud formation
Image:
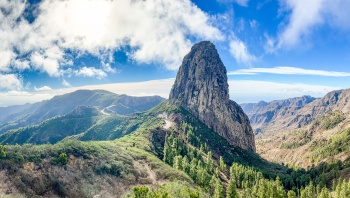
(155, 31)
(306, 16)
(240, 52)
(90, 72)
(10, 82)
(241, 91)
(43, 88)
(289, 71)
(245, 91)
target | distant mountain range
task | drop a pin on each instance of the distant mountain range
(108, 103)
(303, 131)
(293, 113)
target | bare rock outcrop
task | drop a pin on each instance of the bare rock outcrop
(201, 87)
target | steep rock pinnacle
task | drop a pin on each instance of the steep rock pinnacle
(201, 88)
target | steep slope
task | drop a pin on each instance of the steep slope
(201, 87)
(326, 139)
(54, 129)
(73, 168)
(107, 102)
(277, 114)
(290, 114)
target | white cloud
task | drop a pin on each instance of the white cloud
(43, 88)
(10, 82)
(240, 52)
(306, 16)
(90, 72)
(22, 97)
(107, 67)
(5, 60)
(289, 71)
(253, 24)
(243, 91)
(239, 2)
(65, 83)
(157, 31)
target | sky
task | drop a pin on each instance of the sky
(271, 49)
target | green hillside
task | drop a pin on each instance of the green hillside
(106, 102)
(185, 160)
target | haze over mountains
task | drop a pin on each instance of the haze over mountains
(23, 115)
(303, 131)
(281, 115)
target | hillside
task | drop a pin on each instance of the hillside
(107, 102)
(72, 168)
(326, 139)
(290, 114)
(171, 150)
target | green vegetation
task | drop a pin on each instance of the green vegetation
(171, 189)
(2, 152)
(188, 160)
(330, 119)
(336, 144)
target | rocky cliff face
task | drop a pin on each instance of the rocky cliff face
(277, 114)
(201, 88)
(293, 113)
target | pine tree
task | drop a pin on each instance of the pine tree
(185, 165)
(3, 153)
(193, 169)
(219, 190)
(324, 193)
(210, 163)
(291, 194)
(178, 162)
(222, 164)
(168, 151)
(231, 191)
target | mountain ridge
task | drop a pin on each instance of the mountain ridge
(64, 104)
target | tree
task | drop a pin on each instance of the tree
(141, 191)
(3, 153)
(219, 190)
(168, 152)
(62, 159)
(193, 169)
(324, 193)
(178, 162)
(291, 194)
(222, 164)
(185, 165)
(231, 191)
(210, 163)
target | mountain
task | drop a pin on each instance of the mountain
(326, 139)
(293, 113)
(278, 114)
(201, 87)
(54, 129)
(304, 131)
(107, 102)
(170, 150)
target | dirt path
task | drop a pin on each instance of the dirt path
(151, 174)
(168, 124)
(103, 111)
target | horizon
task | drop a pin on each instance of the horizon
(136, 89)
(272, 50)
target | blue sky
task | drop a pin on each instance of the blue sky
(271, 49)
